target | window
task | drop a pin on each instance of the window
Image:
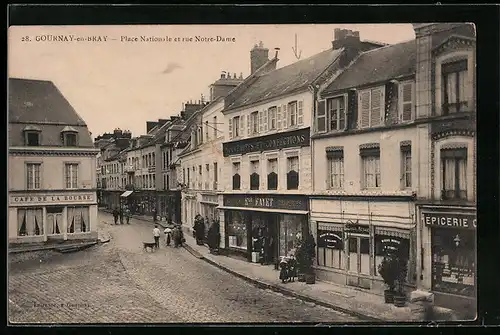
(188, 180)
(237, 230)
(406, 103)
(454, 86)
(206, 131)
(184, 175)
(330, 247)
(70, 139)
(335, 169)
(32, 138)
(234, 127)
(454, 173)
(215, 127)
(290, 232)
(406, 166)
(216, 176)
(387, 243)
(292, 176)
(78, 220)
(254, 177)
(272, 175)
(236, 176)
(272, 118)
(29, 221)
(292, 114)
(254, 123)
(370, 167)
(371, 107)
(153, 159)
(321, 117)
(336, 113)
(33, 176)
(207, 176)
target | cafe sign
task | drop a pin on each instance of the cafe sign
(297, 138)
(288, 202)
(51, 199)
(450, 220)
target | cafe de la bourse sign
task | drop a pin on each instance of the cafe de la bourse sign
(296, 138)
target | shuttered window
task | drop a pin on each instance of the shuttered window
(371, 107)
(300, 112)
(292, 114)
(261, 121)
(321, 116)
(265, 121)
(406, 105)
(253, 125)
(284, 120)
(241, 121)
(278, 118)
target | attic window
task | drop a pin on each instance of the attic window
(69, 136)
(32, 136)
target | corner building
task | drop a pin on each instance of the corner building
(51, 167)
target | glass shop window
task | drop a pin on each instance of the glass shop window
(237, 231)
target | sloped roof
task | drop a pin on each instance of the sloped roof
(287, 79)
(377, 65)
(39, 101)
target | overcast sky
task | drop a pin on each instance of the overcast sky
(124, 84)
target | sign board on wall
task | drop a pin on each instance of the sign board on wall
(289, 202)
(450, 220)
(330, 239)
(51, 199)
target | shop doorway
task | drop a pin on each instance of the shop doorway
(358, 260)
(54, 222)
(272, 233)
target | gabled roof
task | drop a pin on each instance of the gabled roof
(377, 65)
(39, 101)
(288, 79)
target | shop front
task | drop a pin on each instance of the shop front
(263, 227)
(353, 236)
(208, 206)
(450, 267)
(48, 216)
(169, 206)
(142, 202)
(111, 198)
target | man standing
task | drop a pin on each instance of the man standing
(156, 235)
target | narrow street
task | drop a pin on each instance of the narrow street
(118, 282)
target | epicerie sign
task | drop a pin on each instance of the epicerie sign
(450, 220)
(50, 199)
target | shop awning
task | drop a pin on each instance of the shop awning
(285, 211)
(126, 194)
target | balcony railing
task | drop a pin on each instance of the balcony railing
(130, 169)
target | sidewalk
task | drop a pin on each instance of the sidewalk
(357, 302)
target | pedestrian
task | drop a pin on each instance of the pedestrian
(115, 215)
(176, 235)
(156, 235)
(181, 236)
(168, 233)
(121, 215)
(128, 214)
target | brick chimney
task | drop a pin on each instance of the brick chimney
(258, 57)
(348, 40)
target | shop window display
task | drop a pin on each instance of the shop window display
(237, 231)
(385, 244)
(290, 232)
(453, 261)
(330, 248)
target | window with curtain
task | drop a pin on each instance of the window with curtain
(30, 221)
(370, 162)
(272, 174)
(454, 173)
(454, 86)
(33, 176)
(406, 166)
(330, 247)
(71, 175)
(292, 176)
(336, 113)
(254, 122)
(236, 176)
(54, 220)
(272, 118)
(78, 219)
(335, 161)
(254, 177)
(292, 114)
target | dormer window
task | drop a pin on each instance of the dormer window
(69, 136)
(32, 136)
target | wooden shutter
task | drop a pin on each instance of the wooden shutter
(284, 120)
(261, 121)
(242, 125)
(406, 105)
(321, 116)
(249, 124)
(265, 119)
(278, 118)
(300, 112)
(376, 113)
(364, 109)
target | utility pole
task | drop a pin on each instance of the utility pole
(297, 52)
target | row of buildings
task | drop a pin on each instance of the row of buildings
(365, 145)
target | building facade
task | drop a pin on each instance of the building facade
(446, 210)
(51, 167)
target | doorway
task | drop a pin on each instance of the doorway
(54, 221)
(358, 260)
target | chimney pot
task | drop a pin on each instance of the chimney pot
(241, 75)
(234, 75)
(261, 45)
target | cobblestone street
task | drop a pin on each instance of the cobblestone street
(118, 282)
